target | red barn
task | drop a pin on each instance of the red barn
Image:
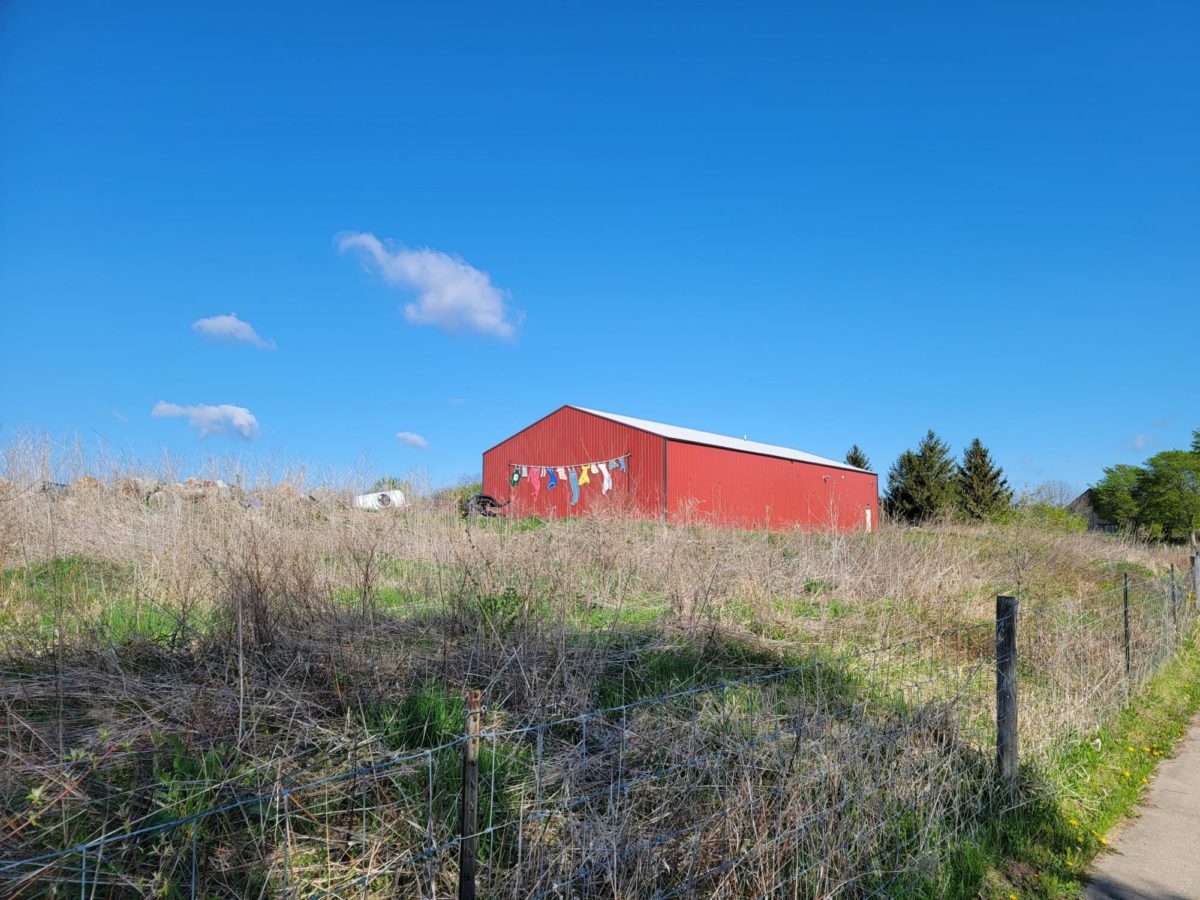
(578, 460)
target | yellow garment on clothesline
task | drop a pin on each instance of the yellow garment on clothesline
(583, 475)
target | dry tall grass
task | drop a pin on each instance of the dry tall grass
(167, 651)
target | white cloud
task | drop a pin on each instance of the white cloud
(1139, 442)
(412, 439)
(232, 330)
(208, 419)
(451, 293)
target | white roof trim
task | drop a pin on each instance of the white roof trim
(691, 435)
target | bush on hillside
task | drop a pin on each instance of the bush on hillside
(1042, 515)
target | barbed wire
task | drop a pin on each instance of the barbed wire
(950, 684)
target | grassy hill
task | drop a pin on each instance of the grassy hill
(668, 709)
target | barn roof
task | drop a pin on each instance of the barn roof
(692, 436)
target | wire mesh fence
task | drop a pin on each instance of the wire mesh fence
(853, 773)
(1081, 659)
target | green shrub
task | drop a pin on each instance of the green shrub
(1045, 516)
(459, 494)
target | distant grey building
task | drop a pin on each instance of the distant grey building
(1085, 505)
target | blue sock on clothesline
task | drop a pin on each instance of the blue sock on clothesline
(574, 486)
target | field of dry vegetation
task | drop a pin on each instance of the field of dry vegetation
(669, 711)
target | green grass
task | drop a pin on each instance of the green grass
(664, 669)
(1043, 849)
(513, 525)
(383, 598)
(73, 596)
(63, 586)
(426, 718)
(643, 612)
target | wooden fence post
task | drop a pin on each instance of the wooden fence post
(1174, 605)
(1125, 604)
(1195, 581)
(1006, 689)
(467, 846)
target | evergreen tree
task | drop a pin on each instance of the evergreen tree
(855, 457)
(982, 490)
(900, 499)
(921, 482)
(1196, 441)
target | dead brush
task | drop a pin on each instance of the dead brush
(297, 640)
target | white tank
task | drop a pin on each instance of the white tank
(379, 500)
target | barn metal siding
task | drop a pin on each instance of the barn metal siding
(569, 436)
(713, 484)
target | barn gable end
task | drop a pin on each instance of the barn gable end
(570, 437)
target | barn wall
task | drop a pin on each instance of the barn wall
(569, 436)
(714, 484)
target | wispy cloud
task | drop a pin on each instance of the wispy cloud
(1150, 437)
(232, 330)
(451, 293)
(412, 439)
(208, 419)
(120, 416)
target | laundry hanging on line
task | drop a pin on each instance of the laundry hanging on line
(577, 475)
(574, 478)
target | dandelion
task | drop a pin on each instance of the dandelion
(1145, 749)
(1074, 823)
(1079, 839)
(1131, 749)
(1104, 841)
(1144, 781)
(1126, 773)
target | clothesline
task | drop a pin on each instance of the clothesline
(576, 475)
(590, 462)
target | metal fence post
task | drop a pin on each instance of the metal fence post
(470, 799)
(1006, 689)
(1125, 604)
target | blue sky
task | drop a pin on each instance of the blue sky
(812, 224)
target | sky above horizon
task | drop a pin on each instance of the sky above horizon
(401, 234)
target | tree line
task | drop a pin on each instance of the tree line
(1159, 499)
(928, 483)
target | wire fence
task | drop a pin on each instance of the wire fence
(853, 773)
